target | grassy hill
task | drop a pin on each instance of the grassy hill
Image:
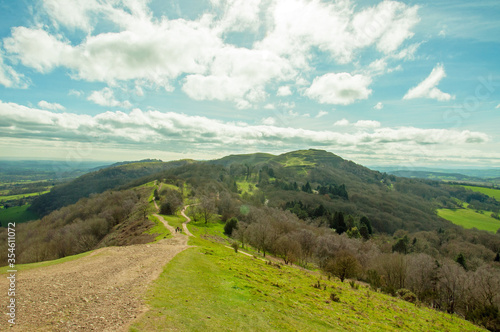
(98, 182)
(211, 288)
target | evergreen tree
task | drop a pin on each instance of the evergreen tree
(461, 260)
(367, 223)
(339, 223)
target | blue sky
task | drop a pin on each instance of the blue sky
(408, 83)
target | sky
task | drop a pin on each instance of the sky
(399, 83)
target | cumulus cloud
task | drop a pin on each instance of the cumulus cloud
(321, 114)
(340, 89)
(428, 87)
(51, 106)
(270, 121)
(151, 129)
(9, 77)
(284, 91)
(145, 127)
(161, 51)
(342, 123)
(378, 106)
(337, 28)
(367, 124)
(106, 97)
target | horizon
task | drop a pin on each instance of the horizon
(382, 84)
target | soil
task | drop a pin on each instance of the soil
(103, 291)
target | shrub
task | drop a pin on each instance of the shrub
(407, 295)
(230, 226)
(235, 246)
(334, 297)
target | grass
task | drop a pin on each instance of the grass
(211, 288)
(24, 267)
(158, 229)
(246, 187)
(212, 228)
(468, 218)
(174, 220)
(18, 214)
(14, 197)
(494, 193)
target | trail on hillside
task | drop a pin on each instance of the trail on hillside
(184, 224)
(100, 292)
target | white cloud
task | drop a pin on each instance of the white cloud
(300, 26)
(38, 49)
(239, 15)
(76, 93)
(270, 121)
(9, 77)
(342, 123)
(51, 106)
(159, 51)
(378, 106)
(269, 107)
(284, 91)
(321, 114)
(427, 88)
(498, 106)
(139, 130)
(340, 89)
(367, 124)
(106, 97)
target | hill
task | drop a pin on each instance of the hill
(97, 182)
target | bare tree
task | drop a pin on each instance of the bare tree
(344, 265)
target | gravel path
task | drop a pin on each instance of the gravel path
(100, 292)
(184, 224)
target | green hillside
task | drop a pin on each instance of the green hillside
(98, 182)
(468, 218)
(494, 193)
(211, 288)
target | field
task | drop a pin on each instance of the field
(494, 193)
(17, 214)
(468, 218)
(13, 197)
(211, 288)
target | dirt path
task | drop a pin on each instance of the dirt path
(100, 292)
(184, 224)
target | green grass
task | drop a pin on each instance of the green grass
(494, 193)
(211, 288)
(174, 221)
(468, 218)
(212, 228)
(18, 214)
(159, 229)
(246, 187)
(24, 267)
(14, 197)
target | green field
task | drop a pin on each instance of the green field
(468, 218)
(211, 288)
(494, 193)
(17, 214)
(13, 197)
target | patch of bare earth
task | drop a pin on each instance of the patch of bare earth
(100, 292)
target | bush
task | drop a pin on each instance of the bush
(407, 295)
(235, 246)
(230, 226)
(334, 297)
